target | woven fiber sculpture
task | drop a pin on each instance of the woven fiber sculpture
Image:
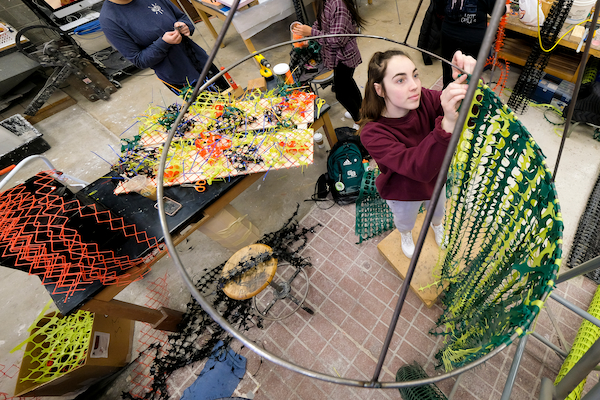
(503, 235)
(373, 215)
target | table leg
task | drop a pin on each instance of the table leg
(164, 319)
(204, 16)
(325, 122)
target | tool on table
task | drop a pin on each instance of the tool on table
(200, 185)
(66, 57)
(265, 66)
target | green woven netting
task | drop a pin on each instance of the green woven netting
(60, 344)
(587, 335)
(373, 215)
(425, 392)
(503, 235)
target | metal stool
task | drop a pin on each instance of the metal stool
(251, 283)
(323, 79)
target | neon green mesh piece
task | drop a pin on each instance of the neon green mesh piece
(373, 215)
(586, 336)
(590, 71)
(59, 345)
(503, 235)
(425, 392)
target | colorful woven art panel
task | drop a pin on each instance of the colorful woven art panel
(67, 239)
(222, 137)
(503, 235)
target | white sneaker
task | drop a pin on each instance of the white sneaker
(408, 246)
(348, 115)
(438, 231)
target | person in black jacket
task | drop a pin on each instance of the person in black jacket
(463, 28)
(430, 33)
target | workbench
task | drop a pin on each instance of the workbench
(564, 62)
(197, 209)
(250, 19)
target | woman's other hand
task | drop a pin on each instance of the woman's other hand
(451, 98)
(182, 28)
(466, 63)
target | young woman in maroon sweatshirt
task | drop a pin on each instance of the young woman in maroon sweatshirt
(406, 129)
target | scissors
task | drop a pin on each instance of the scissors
(199, 186)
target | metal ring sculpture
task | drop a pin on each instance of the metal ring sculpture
(462, 167)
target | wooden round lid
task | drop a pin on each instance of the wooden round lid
(253, 281)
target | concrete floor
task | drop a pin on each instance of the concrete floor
(83, 138)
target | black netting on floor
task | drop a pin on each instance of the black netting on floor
(198, 333)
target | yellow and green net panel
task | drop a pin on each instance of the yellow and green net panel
(373, 215)
(587, 335)
(59, 345)
(503, 235)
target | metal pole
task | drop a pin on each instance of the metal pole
(593, 394)
(576, 309)
(441, 179)
(455, 387)
(579, 371)
(514, 368)
(588, 266)
(413, 21)
(548, 343)
(546, 389)
(584, 57)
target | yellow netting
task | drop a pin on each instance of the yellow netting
(587, 335)
(60, 344)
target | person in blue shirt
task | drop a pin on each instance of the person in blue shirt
(155, 34)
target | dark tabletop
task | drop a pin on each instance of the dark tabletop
(139, 210)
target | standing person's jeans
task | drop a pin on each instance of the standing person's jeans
(405, 212)
(346, 90)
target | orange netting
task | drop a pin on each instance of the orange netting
(141, 376)
(65, 239)
(9, 372)
(494, 61)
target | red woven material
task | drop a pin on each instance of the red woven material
(36, 237)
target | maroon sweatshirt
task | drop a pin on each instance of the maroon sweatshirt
(408, 150)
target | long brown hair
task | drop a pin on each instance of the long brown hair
(350, 5)
(373, 105)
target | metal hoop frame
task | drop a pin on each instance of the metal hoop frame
(374, 383)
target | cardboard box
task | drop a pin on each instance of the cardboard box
(258, 83)
(230, 229)
(108, 351)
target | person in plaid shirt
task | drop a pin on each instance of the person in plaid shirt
(340, 54)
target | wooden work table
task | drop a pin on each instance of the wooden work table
(564, 62)
(197, 209)
(249, 19)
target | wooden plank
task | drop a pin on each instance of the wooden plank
(391, 250)
(50, 109)
(562, 65)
